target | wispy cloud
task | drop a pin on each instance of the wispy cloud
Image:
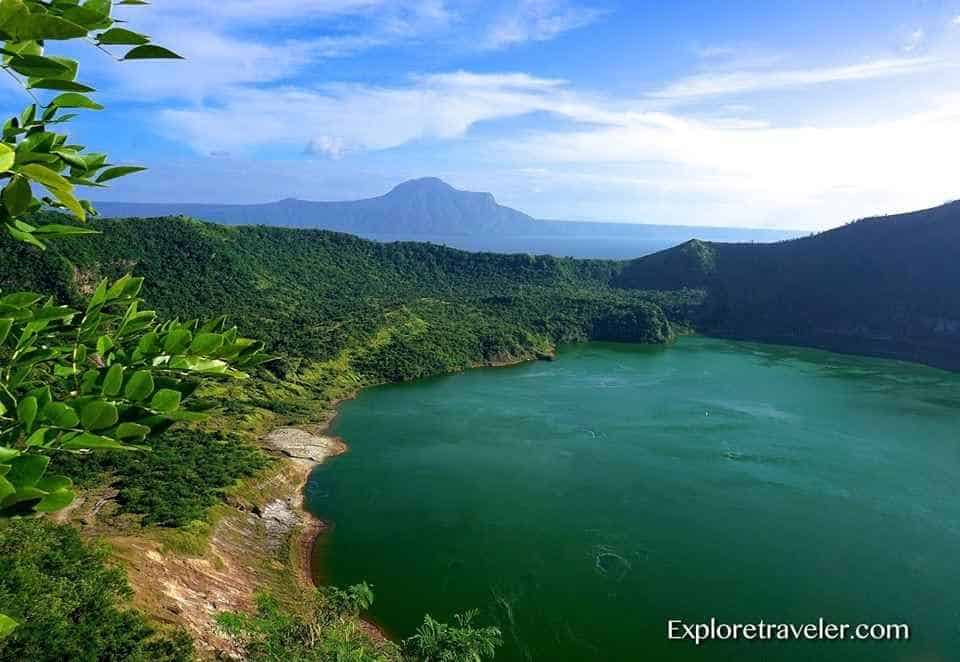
(737, 82)
(895, 163)
(914, 40)
(242, 43)
(351, 117)
(538, 20)
(956, 20)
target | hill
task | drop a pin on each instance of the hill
(432, 210)
(887, 286)
(389, 311)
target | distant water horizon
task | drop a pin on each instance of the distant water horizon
(588, 248)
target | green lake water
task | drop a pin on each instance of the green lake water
(579, 504)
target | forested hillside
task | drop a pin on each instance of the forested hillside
(886, 286)
(403, 310)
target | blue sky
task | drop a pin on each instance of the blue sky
(766, 114)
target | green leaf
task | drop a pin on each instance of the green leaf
(165, 401)
(46, 176)
(70, 157)
(38, 438)
(118, 171)
(7, 625)
(21, 299)
(57, 230)
(38, 66)
(99, 415)
(53, 483)
(87, 441)
(7, 157)
(132, 431)
(89, 15)
(206, 343)
(47, 26)
(101, 7)
(104, 345)
(24, 494)
(26, 470)
(27, 411)
(54, 501)
(177, 341)
(139, 387)
(75, 100)
(17, 195)
(113, 382)
(5, 325)
(53, 313)
(25, 237)
(194, 364)
(69, 200)
(6, 488)
(60, 415)
(151, 52)
(58, 84)
(7, 454)
(121, 37)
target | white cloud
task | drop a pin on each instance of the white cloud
(538, 20)
(215, 62)
(227, 44)
(914, 40)
(258, 11)
(737, 82)
(816, 172)
(956, 20)
(360, 117)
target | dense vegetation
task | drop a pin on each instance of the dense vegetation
(183, 475)
(330, 632)
(400, 310)
(70, 604)
(881, 286)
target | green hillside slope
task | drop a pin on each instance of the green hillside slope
(885, 286)
(403, 310)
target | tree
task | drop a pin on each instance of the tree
(460, 642)
(330, 631)
(71, 602)
(112, 376)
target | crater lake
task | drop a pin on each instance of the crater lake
(581, 504)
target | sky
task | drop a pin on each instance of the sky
(788, 114)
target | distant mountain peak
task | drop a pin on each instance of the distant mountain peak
(423, 185)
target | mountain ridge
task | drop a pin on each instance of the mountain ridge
(885, 286)
(429, 207)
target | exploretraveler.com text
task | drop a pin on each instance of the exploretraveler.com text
(822, 630)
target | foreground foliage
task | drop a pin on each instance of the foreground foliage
(105, 379)
(31, 155)
(332, 632)
(460, 642)
(70, 604)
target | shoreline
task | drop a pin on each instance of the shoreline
(305, 537)
(307, 446)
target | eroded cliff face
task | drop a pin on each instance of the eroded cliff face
(261, 538)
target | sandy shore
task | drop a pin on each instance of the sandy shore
(308, 447)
